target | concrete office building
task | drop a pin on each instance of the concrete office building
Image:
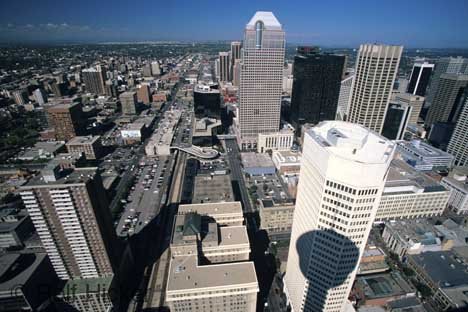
(445, 65)
(344, 98)
(458, 144)
(396, 120)
(316, 86)
(457, 183)
(90, 146)
(128, 102)
(334, 212)
(224, 66)
(67, 120)
(21, 97)
(415, 102)
(155, 69)
(261, 78)
(94, 80)
(419, 79)
(376, 69)
(445, 104)
(236, 69)
(209, 268)
(71, 215)
(409, 193)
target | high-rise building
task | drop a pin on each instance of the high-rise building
(21, 96)
(334, 212)
(155, 69)
(146, 70)
(71, 215)
(316, 86)
(144, 94)
(415, 102)
(128, 102)
(67, 120)
(376, 69)
(420, 77)
(236, 68)
(235, 51)
(224, 66)
(40, 96)
(344, 97)
(207, 101)
(396, 120)
(444, 106)
(458, 145)
(94, 80)
(445, 65)
(261, 78)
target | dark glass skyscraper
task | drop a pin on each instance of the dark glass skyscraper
(316, 86)
(419, 79)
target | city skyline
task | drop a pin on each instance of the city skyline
(416, 24)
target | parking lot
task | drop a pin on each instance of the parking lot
(144, 199)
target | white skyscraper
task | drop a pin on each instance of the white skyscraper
(261, 78)
(344, 97)
(376, 69)
(343, 171)
(458, 145)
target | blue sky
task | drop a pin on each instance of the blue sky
(339, 23)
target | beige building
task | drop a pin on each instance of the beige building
(90, 146)
(276, 218)
(276, 141)
(209, 268)
(415, 102)
(287, 162)
(376, 69)
(409, 193)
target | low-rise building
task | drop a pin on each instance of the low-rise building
(409, 193)
(90, 146)
(257, 164)
(446, 275)
(378, 289)
(276, 218)
(457, 183)
(277, 141)
(372, 261)
(41, 151)
(412, 237)
(15, 228)
(209, 268)
(423, 156)
(160, 142)
(287, 162)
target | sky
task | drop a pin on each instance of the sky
(329, 23)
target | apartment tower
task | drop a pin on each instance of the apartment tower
(261, 78)
(334, 212)
(71, 215)
(376, 69)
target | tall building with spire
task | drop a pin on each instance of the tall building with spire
(376, 69)
(334, 212)
(261, 78)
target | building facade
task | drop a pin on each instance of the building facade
(128, 102)
(316, 85)
(67, 120)
(276, 141)
(457, 183)
(396, 120)
(334, 212)
(224, 66)
(419, 79)
(90, 146)
(94, 80)
(261, 78)
(445, 104)
(458, 144)
(376, 69)
(71, 215)
(344, 97)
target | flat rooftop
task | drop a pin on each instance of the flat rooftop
(88, 139)
(212, 209)
(251, 160)
(17, 268)
(423, 149)
(66, 177)
(212, 188)
(352, 141)
(402, 174)
(88, 285)
(185, 274)
(444, 267)
(384, 285)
